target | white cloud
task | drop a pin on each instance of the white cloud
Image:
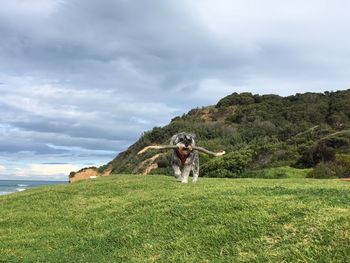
(52, 169)
(206, 92)
(45, 171)
(2, 169)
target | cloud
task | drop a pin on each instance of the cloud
(52, 169)
(44, 171)
(2, 169)
(88, 77)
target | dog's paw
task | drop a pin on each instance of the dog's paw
(178, 179)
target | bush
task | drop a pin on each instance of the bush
(342, 165)
(244, 98)
(323, 171)
(338, 168)
(163, 162)
(230, 165)
(323, 150)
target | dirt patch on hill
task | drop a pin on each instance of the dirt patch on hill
(88, 173)
(149, 164)
(83, 174)
(344, 179)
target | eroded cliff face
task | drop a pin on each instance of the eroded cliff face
(92, 172)
(149, 164)
(88, 173)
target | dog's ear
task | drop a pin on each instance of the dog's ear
(175, 139)
(192, 135)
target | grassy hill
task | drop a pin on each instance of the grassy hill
(302, 131)
(128, 218)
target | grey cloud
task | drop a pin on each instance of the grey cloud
(143, 33)
(77, 130)
(21, 146)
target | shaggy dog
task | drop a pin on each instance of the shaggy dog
(185, 155)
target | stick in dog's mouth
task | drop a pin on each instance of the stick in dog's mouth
(163, 147)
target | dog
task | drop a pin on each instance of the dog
(185, 155)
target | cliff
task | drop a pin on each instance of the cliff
(88, 173)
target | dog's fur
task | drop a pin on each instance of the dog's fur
(184, 157)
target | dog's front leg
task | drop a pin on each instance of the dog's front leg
(195, 168)
(177, 172)
(195, 171)
(185, 173)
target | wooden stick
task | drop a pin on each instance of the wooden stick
(163, 147)
(201, 149)
(157, 147)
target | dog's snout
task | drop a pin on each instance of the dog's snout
(188, 143)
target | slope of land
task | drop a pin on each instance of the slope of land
(301, 131)
(128, 218)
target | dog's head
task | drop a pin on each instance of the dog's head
(184, 140)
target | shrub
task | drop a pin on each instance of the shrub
(163, 162)
(342, 165)
(244, 98)
(230, 165)
(323, 171)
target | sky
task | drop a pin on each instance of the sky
(81, 80)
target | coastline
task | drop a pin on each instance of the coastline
(13, 186)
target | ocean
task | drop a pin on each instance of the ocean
(12, 186)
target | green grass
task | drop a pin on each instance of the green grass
(129, 218)
(277, 173)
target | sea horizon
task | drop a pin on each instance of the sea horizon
(41, 180)
(9, 186)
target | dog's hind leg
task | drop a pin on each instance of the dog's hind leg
(185, 173)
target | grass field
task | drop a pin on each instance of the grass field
(128, 218)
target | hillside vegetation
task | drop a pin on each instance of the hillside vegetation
(303, 131)
(130, 218)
